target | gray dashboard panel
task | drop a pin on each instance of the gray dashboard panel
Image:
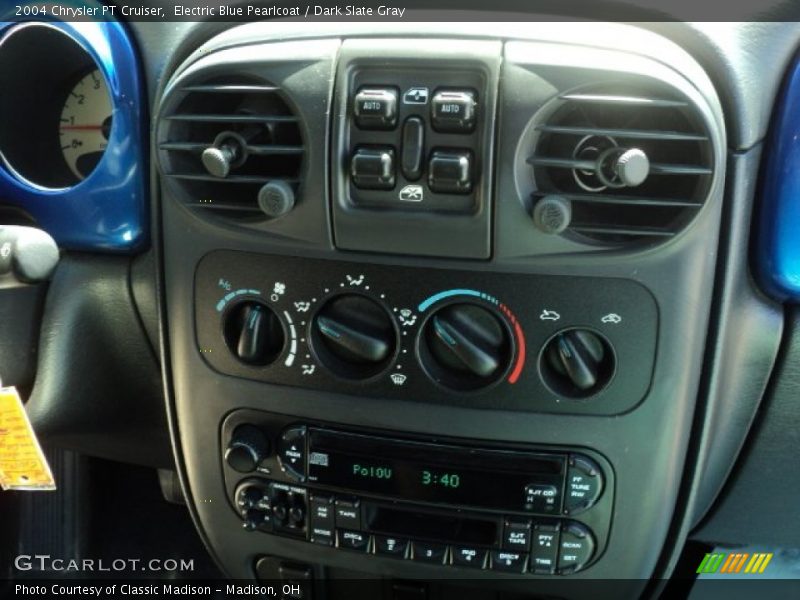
(647, 446)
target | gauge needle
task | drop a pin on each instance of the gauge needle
(81, 127)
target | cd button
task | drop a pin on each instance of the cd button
(429, 552)
(517, 535)
(541, 497)
(544, 549)
(348, 514)
(508, 561)
(469, 556)
(391, 546)
(353, 540)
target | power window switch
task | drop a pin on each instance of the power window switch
(450, 172)
(376, 108)
(373, 168)
(453, 111)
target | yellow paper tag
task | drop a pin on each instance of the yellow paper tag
(22, 462)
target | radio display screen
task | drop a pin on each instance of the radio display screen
(429, 472)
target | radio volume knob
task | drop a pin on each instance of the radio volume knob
(247, 448)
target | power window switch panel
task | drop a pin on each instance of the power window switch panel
(450, 172)
(376, 108)
(373, 168)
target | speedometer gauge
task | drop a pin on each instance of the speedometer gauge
(85, 124)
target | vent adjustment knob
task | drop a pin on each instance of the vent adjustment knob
(217, 161)
(276, 199)
(552, 214)
(632, 167)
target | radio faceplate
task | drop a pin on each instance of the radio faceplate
(507, 507)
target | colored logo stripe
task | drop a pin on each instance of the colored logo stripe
(734, 562)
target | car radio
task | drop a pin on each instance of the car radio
(504, 507)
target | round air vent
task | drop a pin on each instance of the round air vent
(623, 163)
(233, 147)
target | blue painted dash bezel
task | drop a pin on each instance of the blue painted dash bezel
(107, 210)
(778, 239)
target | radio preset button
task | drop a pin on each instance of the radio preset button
(429, 552)
(541, 497)
(470, 556)
(517, 535)
(509, 561)
(584, 484)
(348, 514)
(544, 549)
(575, 549)
(292, 452)
(391, 546)
(353, 540)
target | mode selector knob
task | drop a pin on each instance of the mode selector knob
(247, 448)
(465, 346)
(354, 336)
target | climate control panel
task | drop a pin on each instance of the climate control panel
(483, 340)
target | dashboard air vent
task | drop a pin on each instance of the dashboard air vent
(633, 164)
(234, 147)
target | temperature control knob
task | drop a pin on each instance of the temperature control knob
(465, 346)
(354, 336)
(254, 333)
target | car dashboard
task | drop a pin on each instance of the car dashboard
(418, 300)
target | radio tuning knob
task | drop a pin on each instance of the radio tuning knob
(254, 333)
(354, 336)
(247, 448)
(465, 347)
